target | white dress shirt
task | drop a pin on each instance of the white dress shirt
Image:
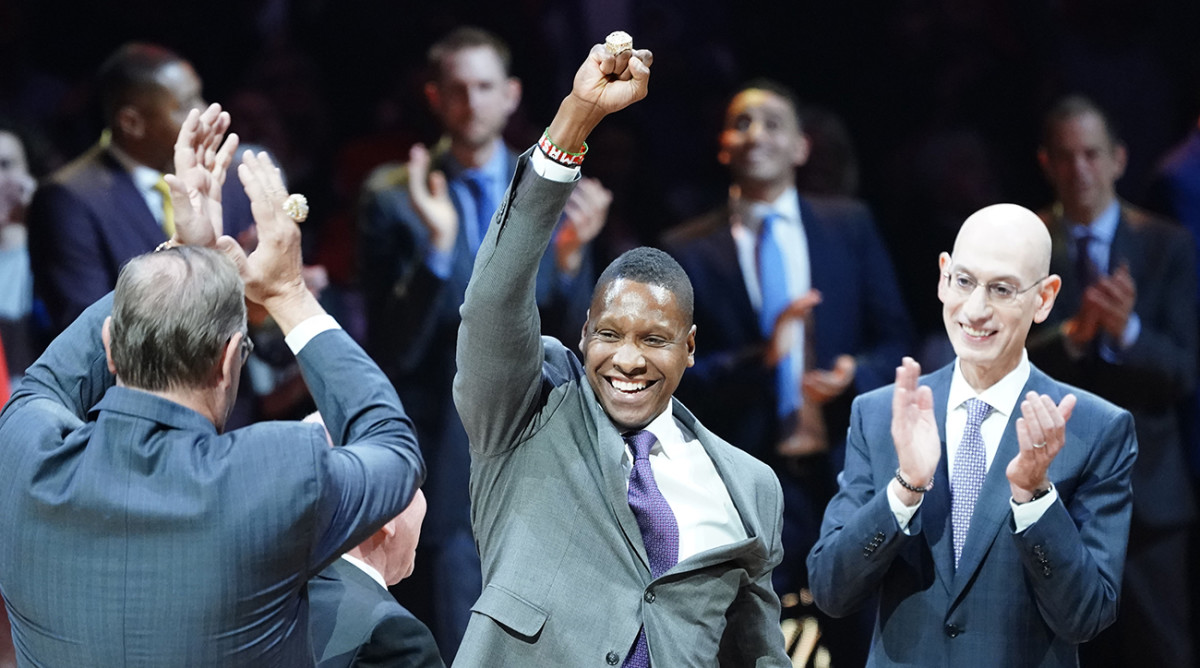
(692, 487)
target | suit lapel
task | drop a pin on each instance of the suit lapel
(610, 448)
(124, 198)
(726, 277)
(935, 508)
(752, 549)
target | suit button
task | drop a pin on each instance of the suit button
(612, 658)
(953, 630)
(649, 597)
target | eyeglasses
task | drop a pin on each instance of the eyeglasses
(996, 292)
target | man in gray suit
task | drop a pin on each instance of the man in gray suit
(134, 532)
(991, 539)
(657, 551)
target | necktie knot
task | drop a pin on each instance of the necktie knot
(641, 442)
(977, 412)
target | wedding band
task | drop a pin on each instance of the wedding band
(296, 207)
(618, 41)
(1040, 445)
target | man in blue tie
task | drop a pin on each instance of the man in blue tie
(986, 504)
(422, 224)
(778, 370)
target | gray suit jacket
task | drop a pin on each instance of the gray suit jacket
(567, 581)
(1015, 599)
(133, 534)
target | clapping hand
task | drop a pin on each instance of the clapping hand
(202, 157)
(430, 197)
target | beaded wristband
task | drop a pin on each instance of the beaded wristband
(564, 158)
(912, 488)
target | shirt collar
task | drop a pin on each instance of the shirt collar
(664, 428)
(1001, 396)
(143, 177)
(1103, 228)
(366, 568)
(495, 169)
(787, 206)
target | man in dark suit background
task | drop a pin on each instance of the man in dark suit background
(189, 546)
(110, 204)
(840, 292)
(990, 538)
(422, 223)
(1125, 329)
(354, 620)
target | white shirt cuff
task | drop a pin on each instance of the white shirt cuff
(1025, 514)
(304, 332)
(550, 170)
(903, 513)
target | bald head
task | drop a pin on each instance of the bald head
(1012, 234)
(993, 288)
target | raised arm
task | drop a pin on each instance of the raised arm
(499, 358)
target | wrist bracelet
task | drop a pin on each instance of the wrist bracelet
(912, 488)
(1036, 495)
(167, 245)
(564, 158)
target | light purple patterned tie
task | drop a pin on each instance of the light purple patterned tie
(656, 521)
(970, 469)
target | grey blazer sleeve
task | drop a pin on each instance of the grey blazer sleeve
(499, 355)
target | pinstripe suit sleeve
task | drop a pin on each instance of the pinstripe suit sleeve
(379, 467)
(73, 372)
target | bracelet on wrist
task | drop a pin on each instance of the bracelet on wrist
(564, 158)
(912, 488)
(1036, 495)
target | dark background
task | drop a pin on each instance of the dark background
(939, 100)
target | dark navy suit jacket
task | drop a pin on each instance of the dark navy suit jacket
(86, 222)
(356, 622)
(134, 534)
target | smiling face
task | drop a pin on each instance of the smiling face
(1000, 243)
(636, 343)
(762, 143)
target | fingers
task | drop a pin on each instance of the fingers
(906, 385)
(1043, 424)
(1067, 406)
(224, 158)
(418, 171)
(437, 185)
(233, 250)
(264, 187)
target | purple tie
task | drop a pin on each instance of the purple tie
(660, 531)
(970, 469)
